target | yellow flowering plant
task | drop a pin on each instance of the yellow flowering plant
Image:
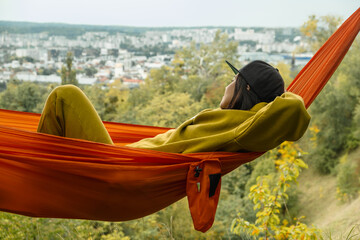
(268, 195)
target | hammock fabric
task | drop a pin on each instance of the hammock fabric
(49, 176)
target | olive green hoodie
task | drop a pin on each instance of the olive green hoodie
(259, 129)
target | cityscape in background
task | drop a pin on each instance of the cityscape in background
(104, 56)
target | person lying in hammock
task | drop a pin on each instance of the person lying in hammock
(255, 114)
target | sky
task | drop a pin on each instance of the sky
(171, 13)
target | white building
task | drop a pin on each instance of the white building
(118, 70)
(250, 35)
(35, 53)
(15, 64)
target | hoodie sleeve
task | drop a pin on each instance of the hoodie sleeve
(284, 119)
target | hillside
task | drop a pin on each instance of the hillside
(321, 207)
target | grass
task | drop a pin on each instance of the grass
(318, 202)
(347, 236)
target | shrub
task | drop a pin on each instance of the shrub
(348, 180)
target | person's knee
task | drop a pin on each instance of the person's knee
(68, 88)
(66, 91)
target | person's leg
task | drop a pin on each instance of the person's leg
(69, 113)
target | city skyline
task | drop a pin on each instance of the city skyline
(162, 13)
(105, 57)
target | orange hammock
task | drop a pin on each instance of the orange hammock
(49, 176)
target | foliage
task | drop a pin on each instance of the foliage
(269, 194)
(109, 100)
(90, 71)
(236, 180)
(96, 96)
(265, 166)
(348, 179)
(168, 110)
(23, 96)
(203, 67)
(332, 137)
(47, 71)
(10, 58)
(357, 120)
(18, 227)
(195, 80)
(317, 30)
(339, 99)
(285, 71)
(68, 74)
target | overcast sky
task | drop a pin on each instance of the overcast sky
(263, 13)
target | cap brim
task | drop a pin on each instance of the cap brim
(232, 67)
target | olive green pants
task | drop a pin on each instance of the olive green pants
(69, 113)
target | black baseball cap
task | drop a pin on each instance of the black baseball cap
(263, 79)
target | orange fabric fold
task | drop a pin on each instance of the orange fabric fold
(49, 176)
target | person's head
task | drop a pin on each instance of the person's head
(254, 83)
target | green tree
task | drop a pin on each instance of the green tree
(108, 101)
(68, 74)
(348, 180)
(269, 194)
(203, 71)
(90, 71)
(20, 227)
(318, 29)
(96, 94)
(335, 113)
(357, 120)
(23, 96)
(199, 72)
(335, 109)
(167, 110)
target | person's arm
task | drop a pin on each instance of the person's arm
(284, 119)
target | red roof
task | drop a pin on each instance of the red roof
(128, 80)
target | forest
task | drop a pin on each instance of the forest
(260, 199)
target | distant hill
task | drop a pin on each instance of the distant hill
(74, 30)
(71, 30)
(68, 30)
